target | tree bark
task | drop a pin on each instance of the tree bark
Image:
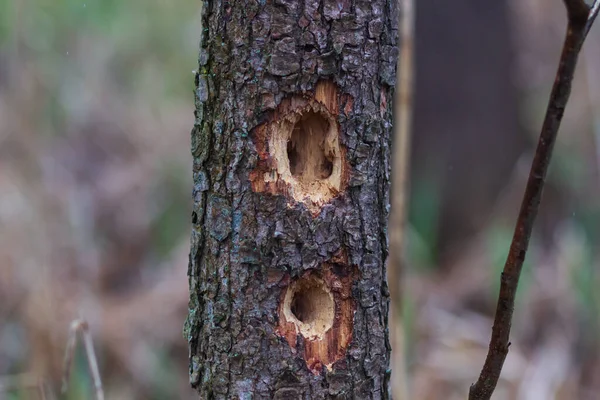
(291, 147)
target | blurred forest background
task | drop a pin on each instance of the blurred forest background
(96, 108)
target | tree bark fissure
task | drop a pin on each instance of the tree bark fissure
(250, 246)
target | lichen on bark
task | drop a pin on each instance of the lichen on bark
(246, 245)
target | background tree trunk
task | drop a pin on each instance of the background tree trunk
(467, 135)
(291, 147)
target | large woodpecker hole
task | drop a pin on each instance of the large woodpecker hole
(309, 157)
(300, 155)
(310, 306)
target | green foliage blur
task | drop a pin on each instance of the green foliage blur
(100, 98)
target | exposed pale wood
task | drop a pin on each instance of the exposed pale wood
(323, 345)
(308, 125)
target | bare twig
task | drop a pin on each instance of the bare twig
(580, 17)
(30, 381)
(403, 115)
(592, 17)
(81, 326)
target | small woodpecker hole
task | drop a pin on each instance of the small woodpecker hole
(311, 307)
(316, 313)
(307, 151)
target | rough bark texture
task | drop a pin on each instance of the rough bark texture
(264, 264)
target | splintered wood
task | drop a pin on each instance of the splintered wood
(300, 157)
(309, 305)
(318, 308)
(299, 149)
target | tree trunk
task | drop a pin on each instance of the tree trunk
(467, 118)
(291, 146)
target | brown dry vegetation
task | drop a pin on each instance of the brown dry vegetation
(96, 106)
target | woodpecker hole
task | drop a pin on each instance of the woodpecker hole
(305, 159)
(306, 149)
(310, 306)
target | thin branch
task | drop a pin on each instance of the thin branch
(593, 14)
(81, 326)
(402, 124)
(581, 17)
(577, 10)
